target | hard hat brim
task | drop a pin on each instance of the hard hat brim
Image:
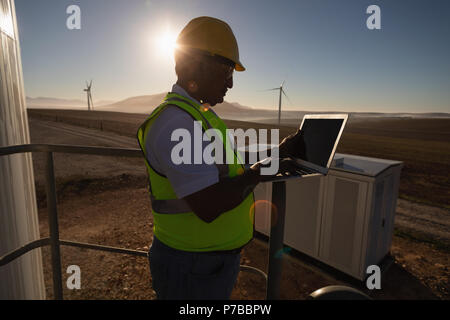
(239, 66)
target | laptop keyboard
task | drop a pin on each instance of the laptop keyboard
(301, 172)
(304, 171)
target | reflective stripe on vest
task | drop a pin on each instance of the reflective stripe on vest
(169, 205)
(174, 223)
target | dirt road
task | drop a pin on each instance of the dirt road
(68, 133)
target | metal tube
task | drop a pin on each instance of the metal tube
(103, 248)
(279, 107)
(7, 258)
(253, 270)
(53, 227)
(104, 151)
(276, 240)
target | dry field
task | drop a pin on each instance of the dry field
(105, 202)
(422, 144)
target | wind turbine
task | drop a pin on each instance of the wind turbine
(89, 96)
(280, 88)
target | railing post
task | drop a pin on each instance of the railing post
(276, 240)
(53, 227)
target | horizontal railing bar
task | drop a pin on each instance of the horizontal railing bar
(103, 248)
(142, 254)
(104, 151)
(7, 258)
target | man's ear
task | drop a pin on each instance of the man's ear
(192, 86)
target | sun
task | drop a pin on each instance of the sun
(166, 43)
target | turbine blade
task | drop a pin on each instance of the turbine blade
(271, 89)
(281, 86)
(286, 96)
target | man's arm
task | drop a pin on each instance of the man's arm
(223, 196)
(228, 193)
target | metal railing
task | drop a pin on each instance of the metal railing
(53, 240)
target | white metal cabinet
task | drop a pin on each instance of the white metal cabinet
(371, 187)
(345, 219)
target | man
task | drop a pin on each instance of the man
(203, 213)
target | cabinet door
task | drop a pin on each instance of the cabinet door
(343, 224)
(304, 200)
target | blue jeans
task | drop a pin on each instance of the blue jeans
(182, 275)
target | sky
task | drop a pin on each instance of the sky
(322, 49)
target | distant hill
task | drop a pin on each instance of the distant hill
(227, 110)
(293, 118)
(139, 104)
(146, 104)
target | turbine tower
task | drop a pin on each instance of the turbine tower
(280, 88)
(89, 96)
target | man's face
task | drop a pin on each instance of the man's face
(215, 82)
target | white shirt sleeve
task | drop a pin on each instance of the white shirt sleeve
(185, 178)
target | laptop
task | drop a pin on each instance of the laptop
(321, 133)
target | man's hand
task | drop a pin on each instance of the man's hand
(286, 167)
(293, 146)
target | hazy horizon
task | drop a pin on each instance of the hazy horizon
(146, 103)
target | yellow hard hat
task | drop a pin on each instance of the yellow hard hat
(211, 35)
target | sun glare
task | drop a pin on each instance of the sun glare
(166, 43)
(6, 23)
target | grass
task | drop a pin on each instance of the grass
(425, 172)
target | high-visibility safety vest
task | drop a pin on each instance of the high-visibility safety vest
(174, 223)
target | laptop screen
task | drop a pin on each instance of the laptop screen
(320, 137)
